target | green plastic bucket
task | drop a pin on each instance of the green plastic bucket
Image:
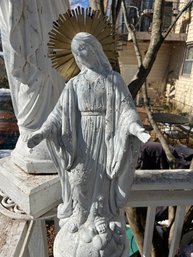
(133, 249)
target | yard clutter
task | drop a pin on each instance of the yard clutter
(152, 156)
(9, 131)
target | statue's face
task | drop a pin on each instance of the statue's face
(84, 54)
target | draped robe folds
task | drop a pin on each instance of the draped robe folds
(119, 147)
(35, 86)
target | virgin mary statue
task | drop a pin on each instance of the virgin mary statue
(93, 135)
(35, 86)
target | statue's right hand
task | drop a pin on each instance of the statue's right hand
(35, 139)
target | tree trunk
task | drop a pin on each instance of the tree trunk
(155, 43)
(95, 4)
(136, 218)
(191, 165)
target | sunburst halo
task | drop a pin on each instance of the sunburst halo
(67, 26)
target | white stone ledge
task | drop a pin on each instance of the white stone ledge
(35, 194)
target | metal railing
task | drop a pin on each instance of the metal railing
(141, 15)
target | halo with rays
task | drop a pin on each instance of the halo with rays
(67, 26)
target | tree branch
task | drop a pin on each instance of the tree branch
(131, 30)
(171, 159)
(191, 164)
(155, 43)
(177, 18)
(118, 7)
(113, 12)
(102, 7)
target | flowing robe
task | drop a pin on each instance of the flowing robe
(91, 144)
(35, 86)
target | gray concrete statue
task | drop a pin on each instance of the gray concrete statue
(93, 134)
(35, 85)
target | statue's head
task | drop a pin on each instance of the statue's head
(88, 52)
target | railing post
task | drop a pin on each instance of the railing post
(150, 220)
(24, 248)
(178, 225)
(38, 244)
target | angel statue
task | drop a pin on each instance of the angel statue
(93, 135)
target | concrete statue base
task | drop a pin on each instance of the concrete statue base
(35, 195)
(87, 241)
(35, 161)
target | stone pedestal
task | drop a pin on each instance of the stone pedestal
(34, 161)
(35, 194)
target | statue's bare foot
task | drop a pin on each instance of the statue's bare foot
(73, 226)
(70, 223)
(75, 221)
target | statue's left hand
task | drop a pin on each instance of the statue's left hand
(35, 139)
(143, 136)
(138, 131)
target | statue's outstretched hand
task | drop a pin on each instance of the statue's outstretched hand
(143, 136)
(138, 131)
(35, 139)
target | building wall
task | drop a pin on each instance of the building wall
(184, 95)
(168, 64)
(158, 76)
(177, 57)
(184, 84)
(159, 71)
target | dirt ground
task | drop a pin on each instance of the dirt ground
(50, 236)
